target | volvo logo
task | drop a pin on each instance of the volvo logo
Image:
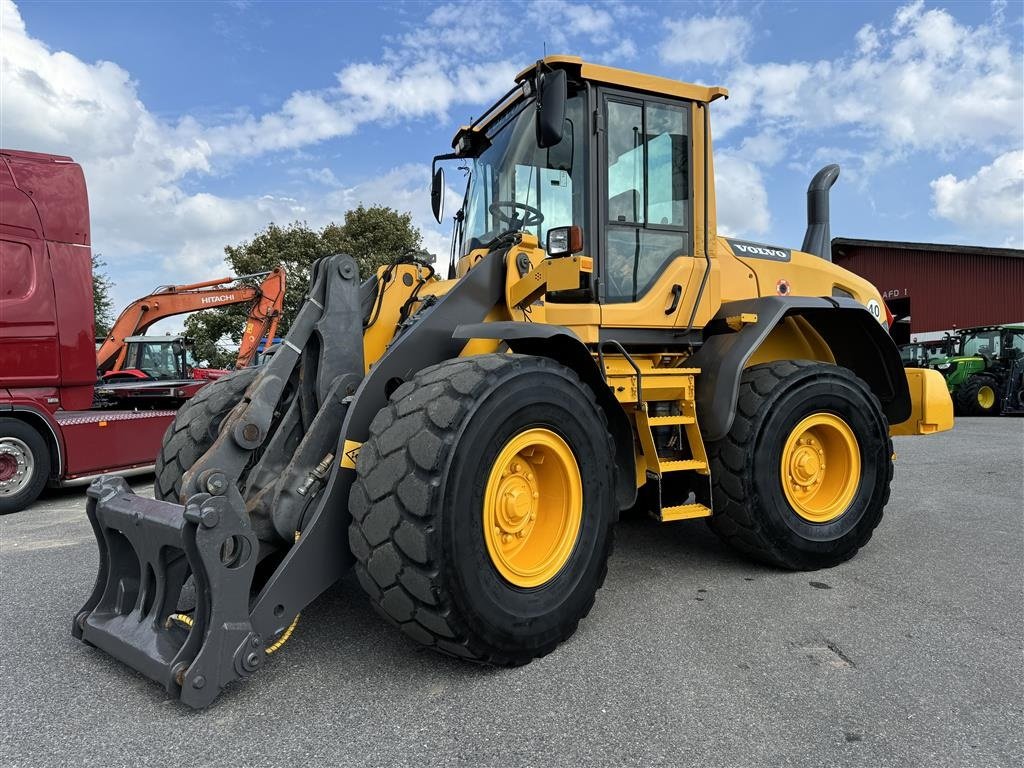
(759, 251)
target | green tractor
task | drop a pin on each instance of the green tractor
(984, 374)
(928, 354)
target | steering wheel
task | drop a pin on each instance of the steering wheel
(532, 218)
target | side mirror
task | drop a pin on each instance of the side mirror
(560, 155)
(551, 108)
(437, 194)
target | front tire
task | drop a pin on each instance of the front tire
(803, 476)
(483, 507)
(980, 395)
(195, 427)
(24, 465)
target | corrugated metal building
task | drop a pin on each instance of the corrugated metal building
(939, 287)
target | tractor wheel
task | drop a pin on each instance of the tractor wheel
(194, 429)
(483, 507)
(980, 395)
(802, 478)
(24, 465)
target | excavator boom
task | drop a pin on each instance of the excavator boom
(263, 317)
(169, 300)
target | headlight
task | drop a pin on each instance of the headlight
(944, 367)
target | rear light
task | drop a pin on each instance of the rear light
(889, 318)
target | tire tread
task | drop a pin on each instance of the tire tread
(401, 464)
(736, 519)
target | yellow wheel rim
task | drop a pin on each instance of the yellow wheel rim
(821, 467)
(533, 508)
(986, 397)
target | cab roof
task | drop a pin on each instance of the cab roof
(625, 78)
(595, 73)
(155, 339)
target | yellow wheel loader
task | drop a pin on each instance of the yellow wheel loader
(467, 444)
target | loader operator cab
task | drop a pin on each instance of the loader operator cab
(615, 184)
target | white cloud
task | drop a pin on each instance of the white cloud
(705, 40)
(452, 27)
(923, 86)
(765, 148)
(991, 201)
(405, 188)
(138, 166)
(556, 21)
(622, 52)
(389, 91)
(926, 82)
(742, 201)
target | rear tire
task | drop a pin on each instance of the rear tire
(794, 418)
(194, 429)
(442, 456)
(980, 395)
(24, 465)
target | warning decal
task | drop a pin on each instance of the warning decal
(349, 454)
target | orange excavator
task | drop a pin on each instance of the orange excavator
(166, 301)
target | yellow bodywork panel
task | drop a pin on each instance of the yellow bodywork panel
(931, 405)
(792, 339)
(395, 285)
(807, 275)
(560, 274)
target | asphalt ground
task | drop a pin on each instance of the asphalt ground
(909, 655)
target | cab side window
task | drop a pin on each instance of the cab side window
(648, 193)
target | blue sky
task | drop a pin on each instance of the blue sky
(197, 123)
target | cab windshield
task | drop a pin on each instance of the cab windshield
(980, 343)
(516, 186)
(160, 359)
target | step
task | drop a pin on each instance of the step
(681, 465)
(662, 421)
(684, 512)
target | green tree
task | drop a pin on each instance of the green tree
(102, 304)
(374, 236)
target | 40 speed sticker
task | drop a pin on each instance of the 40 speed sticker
(875, 309)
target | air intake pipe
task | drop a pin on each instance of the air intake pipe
(818, 239)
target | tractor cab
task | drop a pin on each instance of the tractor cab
(928, 354)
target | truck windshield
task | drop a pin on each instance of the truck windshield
(516, 186)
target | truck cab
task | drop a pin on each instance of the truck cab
(50, 432)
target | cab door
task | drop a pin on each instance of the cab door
(645, 214)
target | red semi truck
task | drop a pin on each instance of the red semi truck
(52, 429)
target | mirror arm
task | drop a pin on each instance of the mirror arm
(437, 158)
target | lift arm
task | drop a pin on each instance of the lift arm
(166, 301)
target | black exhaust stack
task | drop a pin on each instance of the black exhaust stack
(818, 239)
